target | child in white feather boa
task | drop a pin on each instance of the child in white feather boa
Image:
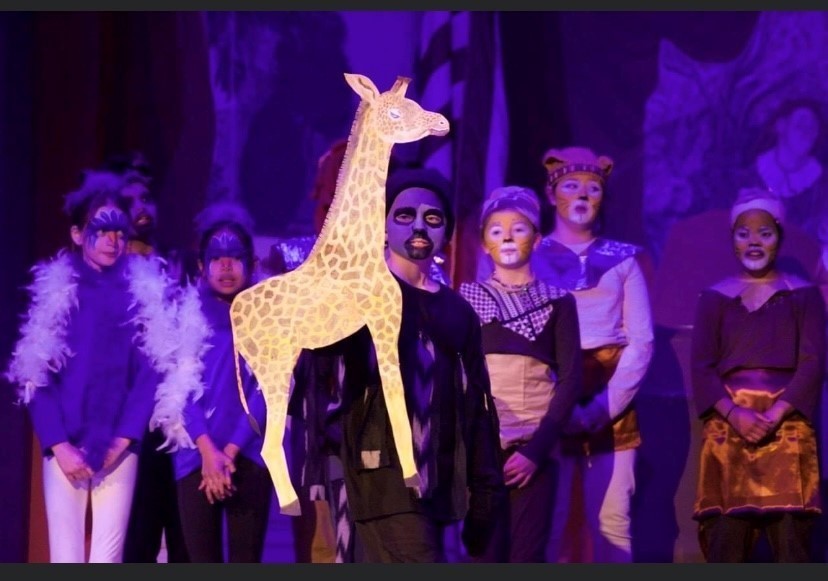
(98, 337)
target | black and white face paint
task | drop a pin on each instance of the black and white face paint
(416, 224)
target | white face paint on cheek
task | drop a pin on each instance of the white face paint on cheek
(511, 253)
(762, 263)
(506, 254)
(756, 264)
(582, 212)
(576, 211)
(579, 216)
(755, 241)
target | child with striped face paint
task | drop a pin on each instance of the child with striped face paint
(103, 240)
(227, 261)
(86, 366)
(219, 472)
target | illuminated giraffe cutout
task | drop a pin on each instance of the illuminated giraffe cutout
(343, 284)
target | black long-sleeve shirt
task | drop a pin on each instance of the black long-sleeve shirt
(786, 333)
(464, 419)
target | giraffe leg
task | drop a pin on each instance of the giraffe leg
(385, 332)
(277, 392)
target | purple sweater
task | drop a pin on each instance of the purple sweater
(106, 388)
(219, 412)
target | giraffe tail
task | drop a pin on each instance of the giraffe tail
(240, 384)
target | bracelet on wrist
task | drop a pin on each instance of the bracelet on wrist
(727, 415)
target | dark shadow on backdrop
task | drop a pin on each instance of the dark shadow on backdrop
(17, 238)
(536, 97)
(611, 69)
(110, 81)
(75, 86)
(537, 115)
(310, 99)
(664, 421)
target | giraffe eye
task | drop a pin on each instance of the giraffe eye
(394, 113)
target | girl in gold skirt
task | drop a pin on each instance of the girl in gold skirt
(758, 359)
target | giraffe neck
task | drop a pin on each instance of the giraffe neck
(357, 211)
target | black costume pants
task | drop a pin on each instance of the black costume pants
(732, 539)
(247, 512)
(524, 523)
(408, 537)
(154, 507)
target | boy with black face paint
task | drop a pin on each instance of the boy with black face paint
(448, 398)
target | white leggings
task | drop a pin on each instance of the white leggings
(66, 502)
(608, 481)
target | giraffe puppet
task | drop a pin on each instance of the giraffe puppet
(343, 284)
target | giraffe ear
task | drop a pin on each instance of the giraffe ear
(363, 86)
(400, 86)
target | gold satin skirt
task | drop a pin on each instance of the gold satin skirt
(778, 474)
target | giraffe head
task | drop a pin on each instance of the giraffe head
(391, 116)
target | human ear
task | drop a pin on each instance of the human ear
(76, 235)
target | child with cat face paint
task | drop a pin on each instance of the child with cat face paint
(532, 344)
(597, 453)
(87, 369)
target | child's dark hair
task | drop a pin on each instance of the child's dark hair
(132, 166)
(97, 188)
(225, 214)
(132, 161)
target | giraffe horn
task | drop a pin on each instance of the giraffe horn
(400, 86)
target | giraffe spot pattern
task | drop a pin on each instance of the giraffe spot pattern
(274, 319)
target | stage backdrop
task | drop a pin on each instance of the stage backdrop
(240, 105)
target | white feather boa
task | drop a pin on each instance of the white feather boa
(42, 345)
(172, 333)
(184, 377)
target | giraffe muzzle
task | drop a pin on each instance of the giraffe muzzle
(440, 127)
